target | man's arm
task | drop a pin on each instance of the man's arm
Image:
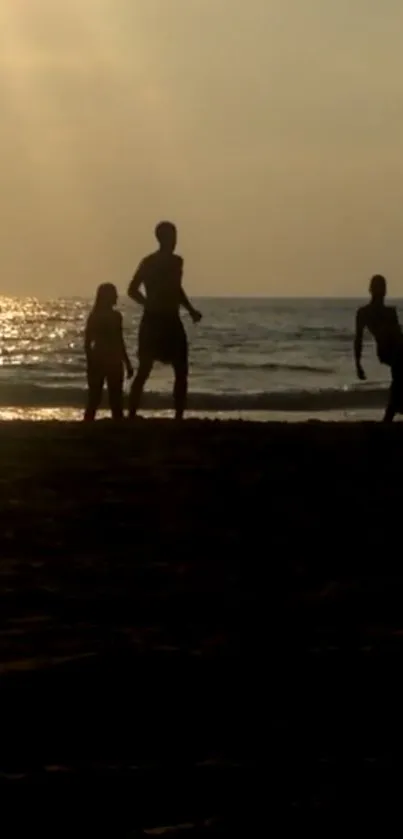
(134, 288)
(186, 304)
(395, 317)
(358, 340)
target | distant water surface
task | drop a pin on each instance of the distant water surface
(247, 356)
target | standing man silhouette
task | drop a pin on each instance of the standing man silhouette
(162, 336)
(383, 323)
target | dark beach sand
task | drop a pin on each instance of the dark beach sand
(200, 625)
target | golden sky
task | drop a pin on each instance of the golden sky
(271, 131)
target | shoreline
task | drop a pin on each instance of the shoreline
(68, 415)
(339, 398)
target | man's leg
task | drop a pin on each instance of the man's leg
(94, 396)
(395, 394)
(390, 409)
(180, 389)
(137, 387)
(180, 364)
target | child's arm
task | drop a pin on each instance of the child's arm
(358, 340)
(88, 338)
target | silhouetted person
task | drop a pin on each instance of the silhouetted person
(162, 336)
(106, 353)
(383, 324)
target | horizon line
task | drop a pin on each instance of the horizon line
(123, 296)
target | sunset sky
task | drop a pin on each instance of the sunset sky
(271, 131)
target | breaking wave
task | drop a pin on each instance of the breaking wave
(35, 396)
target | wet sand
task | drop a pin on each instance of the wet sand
(188, 610)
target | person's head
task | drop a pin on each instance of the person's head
(166, 235)
(377, 287)
(106, 296)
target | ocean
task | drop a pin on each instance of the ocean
(258, 358)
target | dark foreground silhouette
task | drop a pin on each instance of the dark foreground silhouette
(162, 336)
(383, 324)
(200, 624)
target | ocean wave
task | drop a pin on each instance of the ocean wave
(278, 368)
(33, 396)
(74, 363)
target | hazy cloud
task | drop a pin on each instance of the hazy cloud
(271, 131)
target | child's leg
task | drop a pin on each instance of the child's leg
(95, 380)
(115, 391)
